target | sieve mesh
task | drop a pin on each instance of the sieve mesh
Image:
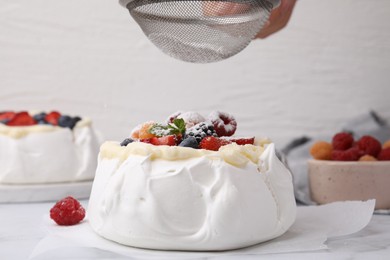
(197, 30)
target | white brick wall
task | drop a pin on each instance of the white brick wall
(88, 57)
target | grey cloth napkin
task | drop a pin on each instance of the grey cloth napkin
(296, 154)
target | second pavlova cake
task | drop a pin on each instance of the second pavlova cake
(191, 185)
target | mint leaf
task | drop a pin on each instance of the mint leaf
(159, 130)
(177, 127)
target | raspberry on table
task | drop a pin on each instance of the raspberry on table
(352, 154)
(384, 155)
(369, 145)
(67, 211)
(342, 141)
(321, 150)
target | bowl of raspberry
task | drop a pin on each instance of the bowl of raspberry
(350, 169)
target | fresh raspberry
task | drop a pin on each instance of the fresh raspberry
(67, 211)
(191, 118)
(369, 145)
(352, 154)
(321, 150)
(367, 158)
(174, 116)
(240, 140)
(212, 143)
(22, 119)
(147, 140)
(52, 117)
(342, 141)
(6, 116)
(224, 123)
(169, 140)
(384, 155)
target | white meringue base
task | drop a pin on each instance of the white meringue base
(197, 204)
(48, 155)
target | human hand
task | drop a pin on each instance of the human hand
(279, 19)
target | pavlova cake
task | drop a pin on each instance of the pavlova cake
(190, 184)
(43, 148)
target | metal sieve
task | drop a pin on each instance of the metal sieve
(200, 31)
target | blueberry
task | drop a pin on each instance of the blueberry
(190, 142)
(68, 121)
(127, 141)
(42, 122)
(40, 117)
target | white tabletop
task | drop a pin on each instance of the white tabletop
(21, 229)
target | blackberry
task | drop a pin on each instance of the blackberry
(126, 141)
(200, 131)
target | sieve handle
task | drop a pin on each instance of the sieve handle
(275, 3)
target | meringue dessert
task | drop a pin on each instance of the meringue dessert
(44, 148)
(191, 186)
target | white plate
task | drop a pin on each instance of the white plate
(44, 192)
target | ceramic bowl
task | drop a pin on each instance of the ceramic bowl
(331, 181)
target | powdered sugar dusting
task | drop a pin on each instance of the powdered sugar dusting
(174, 116)
(223, 121)
(191, 118)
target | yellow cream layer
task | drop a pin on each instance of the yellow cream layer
(21, 131)
(237, 155)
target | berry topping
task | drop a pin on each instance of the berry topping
(68, 121)
(321, 150)
(174, 116)
(67, 211)
(191, 142)
(191, 118)
(52, 117)
(212, 143)
(40, 118)
(240, 140)
(6, 116)
(352, 154)
(369, 145)
(144, 132)
(22, 119)
(165, 140)
(342, 141)
(224, 123)
(201, 131)
(384, 155)
(177, 127)
(127, 141)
